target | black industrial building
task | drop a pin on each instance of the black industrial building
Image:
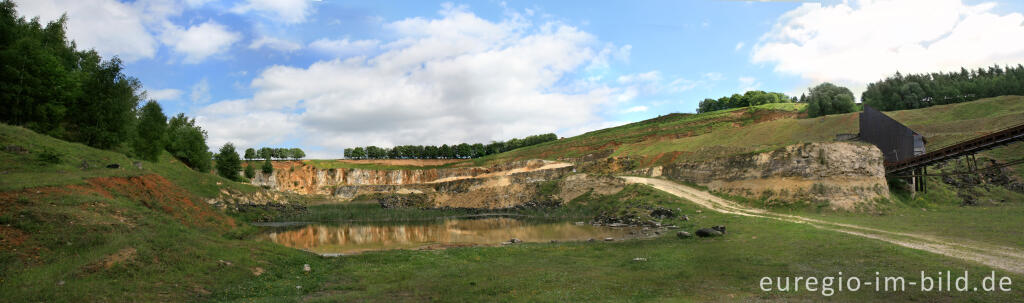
(897, 141)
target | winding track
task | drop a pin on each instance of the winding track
(1000, 257)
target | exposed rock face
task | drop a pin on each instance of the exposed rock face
(847, 175)
(500, 186)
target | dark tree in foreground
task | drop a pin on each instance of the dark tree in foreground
(152, 130)
(828, 99)
(228, 162)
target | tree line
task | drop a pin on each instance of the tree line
(445, 151)
(274, 153)
(49, 86)
(750, 98)
(924, 90)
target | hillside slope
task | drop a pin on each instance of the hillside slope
(692, 137)
(78, 228)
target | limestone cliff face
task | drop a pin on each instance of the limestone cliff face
(499, 186)
(306, 179)
(507, 190)
(847, 175)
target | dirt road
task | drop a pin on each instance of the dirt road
(1000, 257)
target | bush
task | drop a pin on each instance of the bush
(828, 99)
(268, 167)
(250, 171)
(49, 156)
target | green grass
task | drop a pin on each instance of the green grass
(22, 170)
(939, 212)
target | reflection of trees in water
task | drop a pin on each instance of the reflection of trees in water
(490, 230)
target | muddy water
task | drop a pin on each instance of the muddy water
(361, 237)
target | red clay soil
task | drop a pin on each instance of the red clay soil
(153, 191)
(158, 193)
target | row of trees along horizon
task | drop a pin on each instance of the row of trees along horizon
(49, 86)
(456, 151)
(897, 92)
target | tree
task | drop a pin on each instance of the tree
(152, 131)
(265, 153)
(268, 167)
(828, 99)
(106, 106)
(250, 171)
(228, 162)
(358, 153)
(188, 143)
(250, 154)
(297, 153)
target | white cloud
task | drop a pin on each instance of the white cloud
(167, 94)
(714, 76)
(200, 41)
(110, 27)
(651, 76)
(748, 83)
(344, 47)
(277, 44)
(457, 78)
(200, 92)
(288, 11)
(855, 44)
(635, 109)
(739, 46)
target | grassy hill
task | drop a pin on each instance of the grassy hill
(682, 137)
(70, 232)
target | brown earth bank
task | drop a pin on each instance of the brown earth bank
(152, 191)
(845, 175)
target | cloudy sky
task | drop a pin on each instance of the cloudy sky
(330, 74)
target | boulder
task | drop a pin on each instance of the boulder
(663, 213)
(515, 240)
(16, 149)
(714, 231)
(682, 234)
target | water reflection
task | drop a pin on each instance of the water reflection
(353, 238)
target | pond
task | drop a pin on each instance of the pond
(351, 238)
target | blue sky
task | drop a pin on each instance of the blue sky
(326, 75)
